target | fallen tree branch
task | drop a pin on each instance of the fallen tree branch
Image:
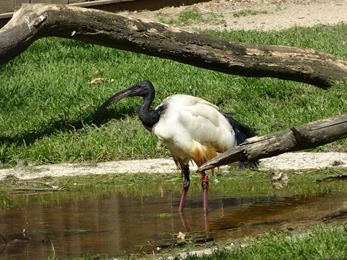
(342, 177)
(35, 21)
(293, 139)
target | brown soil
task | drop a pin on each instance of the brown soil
(256, 14)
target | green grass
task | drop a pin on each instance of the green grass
(47, 101)
(319, 242)
(190, 16)
(186, 17)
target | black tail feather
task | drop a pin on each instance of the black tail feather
(242, 132)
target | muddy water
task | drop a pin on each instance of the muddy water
(117, 224)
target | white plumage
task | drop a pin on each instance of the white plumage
(193, 129)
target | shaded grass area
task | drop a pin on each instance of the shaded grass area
(47, 99)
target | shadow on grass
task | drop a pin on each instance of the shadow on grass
(75, 126)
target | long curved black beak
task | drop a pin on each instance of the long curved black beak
(141, 88)
(115, 98)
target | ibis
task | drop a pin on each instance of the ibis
(192, 128)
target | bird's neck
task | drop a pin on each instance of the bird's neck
(147, 116)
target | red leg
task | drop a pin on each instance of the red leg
(204, 185)
(186, 185)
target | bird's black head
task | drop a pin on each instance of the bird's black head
(143, 89)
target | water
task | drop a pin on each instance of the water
(118, 224)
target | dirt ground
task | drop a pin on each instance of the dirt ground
(262, 15)
(219, 15)
(288, 161)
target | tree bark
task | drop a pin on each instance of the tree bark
(296, 138)
(34, 21)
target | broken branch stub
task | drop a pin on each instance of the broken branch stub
(296, 138)
(34, 21)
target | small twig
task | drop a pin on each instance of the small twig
(205, 9)
(183, 243)
(36, 189)
(3, 238)
(342, 214)
(53, 249)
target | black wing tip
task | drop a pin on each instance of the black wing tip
(242, 131)
(248, 164)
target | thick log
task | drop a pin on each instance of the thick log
(296, 138)
(34, 21)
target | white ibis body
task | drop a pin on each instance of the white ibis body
(192, 128)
